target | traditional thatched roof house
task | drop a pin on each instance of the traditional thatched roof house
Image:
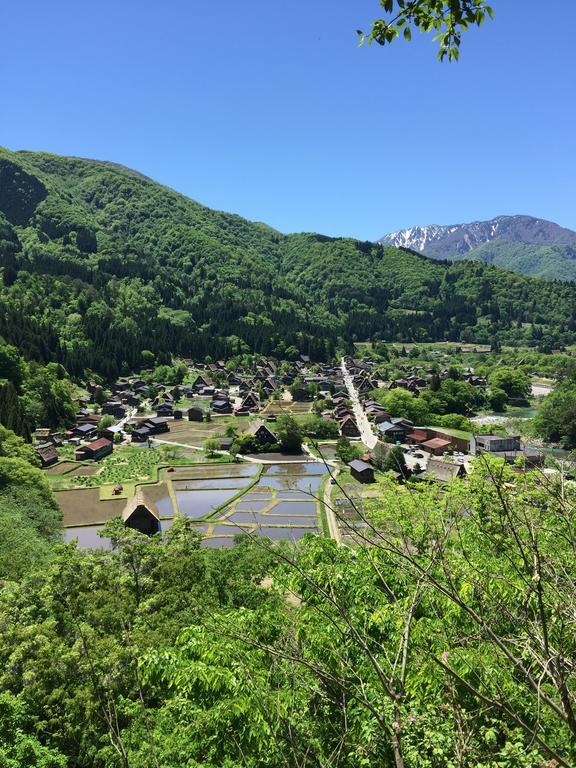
(443, 471)
(349, 428)
(141, 514)
(47, 454)
(195, 413)
(262, 433)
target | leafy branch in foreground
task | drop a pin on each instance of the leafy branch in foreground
(447, 18)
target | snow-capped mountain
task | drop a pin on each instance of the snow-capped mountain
(457, 240)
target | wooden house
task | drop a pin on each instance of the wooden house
(86, 430)
(361, 471)
(47, 454)
(195, 413)
(141, 514)
(94, 451)
(349, 428)
(157, 425)
(141, 434)
(443, 471)
(262, 433)
(221, 405)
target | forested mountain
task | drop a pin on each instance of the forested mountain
(520, 243)
(101, 264)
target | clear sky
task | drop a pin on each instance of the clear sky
(268, 108)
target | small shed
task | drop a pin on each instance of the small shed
(361, 471)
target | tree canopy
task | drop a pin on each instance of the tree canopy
(447, 19)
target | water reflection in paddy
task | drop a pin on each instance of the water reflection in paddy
(310, 468)
(246, 518)
(217, 542)
(212, 483)
(230, 530)
(253, 505)
(87, 536)
(294, 508)
(195, 504)
(290, 534)
(165, 506)
(207, 471)
(309, 483)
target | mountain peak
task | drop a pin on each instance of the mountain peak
(455, 240)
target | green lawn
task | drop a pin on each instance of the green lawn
(453, 432)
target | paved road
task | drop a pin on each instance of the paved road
(333, 527)
(368, 437)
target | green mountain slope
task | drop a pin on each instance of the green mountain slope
(546, 261)
(100, 263)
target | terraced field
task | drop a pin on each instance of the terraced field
(279, 501)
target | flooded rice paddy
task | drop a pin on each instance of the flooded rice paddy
(222, 498)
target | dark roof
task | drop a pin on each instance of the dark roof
(359, 466)
(46, 451)
(86, 428)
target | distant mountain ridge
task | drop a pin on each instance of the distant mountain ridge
(520, 243)
(103, 270)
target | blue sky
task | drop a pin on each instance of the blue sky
(269, 109)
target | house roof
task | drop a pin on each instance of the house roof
(435, 443)
(140, 500)
(86, 428)
(359, 466)
(97, 445)
(419, 435)
(387, 426)
(258, 425)
(444, 470)
(46, 451)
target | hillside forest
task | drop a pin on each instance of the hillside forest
(103, 270)
(443, 638)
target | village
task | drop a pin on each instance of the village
(265, 451)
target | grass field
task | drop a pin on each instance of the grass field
(196, 432)
(277, 407)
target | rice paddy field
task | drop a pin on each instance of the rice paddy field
(278, 501)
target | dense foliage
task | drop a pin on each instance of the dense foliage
(557, 262)
(448, 641)
(104, 270)
(33, 395)
(29, 516)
